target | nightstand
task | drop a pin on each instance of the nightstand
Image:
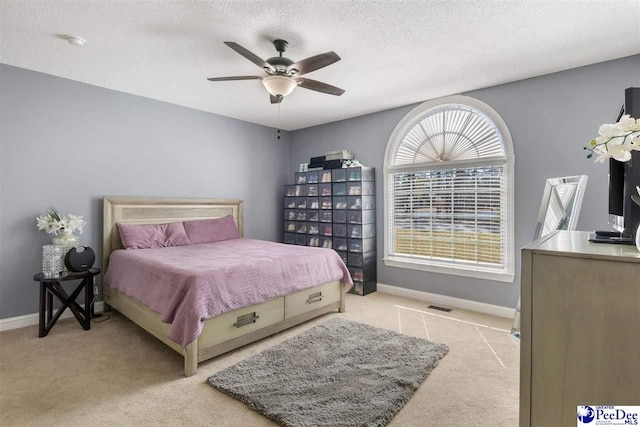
(50, 287)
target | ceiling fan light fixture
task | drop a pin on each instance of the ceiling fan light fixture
(283, 75)
(279, 85)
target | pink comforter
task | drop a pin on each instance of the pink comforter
(188, 284)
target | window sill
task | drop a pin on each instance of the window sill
(447, 269)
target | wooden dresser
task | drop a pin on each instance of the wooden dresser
(580, 327)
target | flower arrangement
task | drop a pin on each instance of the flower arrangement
(53, 223)
(616, 140)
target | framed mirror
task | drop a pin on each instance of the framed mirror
(559, 210)
(560, 205)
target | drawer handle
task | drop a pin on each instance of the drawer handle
(245, 320)
(314, 298)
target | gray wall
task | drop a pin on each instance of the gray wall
(550, 118)
(66, 144)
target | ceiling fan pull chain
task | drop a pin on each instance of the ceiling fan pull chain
(279, 105)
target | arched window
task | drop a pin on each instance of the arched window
(449, 190)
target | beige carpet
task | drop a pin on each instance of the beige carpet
(117, 375)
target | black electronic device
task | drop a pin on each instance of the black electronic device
(80, 258)
(316, 163)
(606, 233)
(611, 239)
(319, 159)
(625, 176)
(333, 164)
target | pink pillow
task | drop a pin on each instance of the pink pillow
(211, 230)
(135, 236)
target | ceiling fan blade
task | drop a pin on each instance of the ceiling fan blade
(319, 86)
(276, 99)
(250, 56)
(224, 79)
(313, 63)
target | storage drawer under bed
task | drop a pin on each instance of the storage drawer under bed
(310, 299)
(236, 323)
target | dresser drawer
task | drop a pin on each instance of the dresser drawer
(310, 299)
(233, 324)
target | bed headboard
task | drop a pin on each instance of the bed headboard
(157, 210)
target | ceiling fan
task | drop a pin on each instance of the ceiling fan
(283, 75)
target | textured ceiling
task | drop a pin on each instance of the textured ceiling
(393, 53)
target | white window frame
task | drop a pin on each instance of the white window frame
(406, 124)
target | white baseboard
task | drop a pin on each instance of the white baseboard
(451, 302)
(32, 319)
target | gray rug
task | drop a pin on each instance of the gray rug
(340, 373)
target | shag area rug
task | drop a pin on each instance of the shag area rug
(340, 373)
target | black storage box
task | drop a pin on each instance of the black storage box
(316, 163)
(333, 164)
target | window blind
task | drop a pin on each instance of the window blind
(449, 133)
(455, 215)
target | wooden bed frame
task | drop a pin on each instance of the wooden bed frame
(227, 331)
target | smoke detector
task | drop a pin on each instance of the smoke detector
(75, 40)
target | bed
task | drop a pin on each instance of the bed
(229, 329)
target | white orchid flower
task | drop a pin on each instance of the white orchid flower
(619, 149)
(611, 130)
(602, 154)
(626, 123)
(601, 159)
(620, 153)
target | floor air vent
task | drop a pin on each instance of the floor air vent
(435, 307)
